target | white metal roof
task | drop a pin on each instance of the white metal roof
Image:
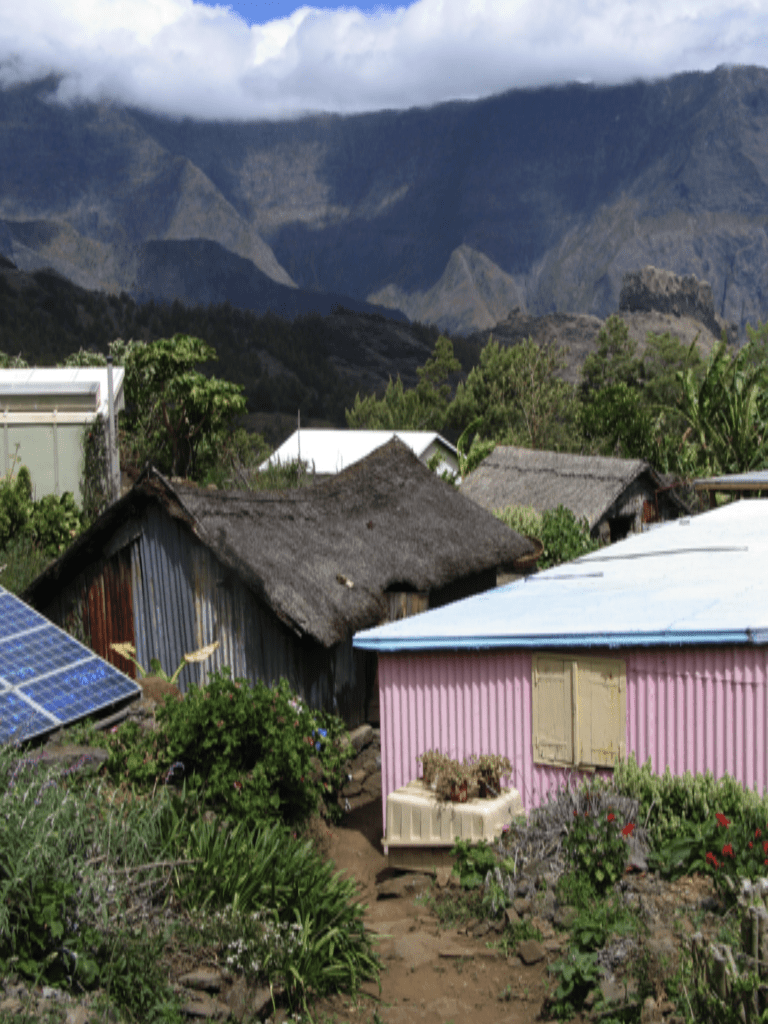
(331, 451)
(702, 580)
(756, 480)
(47, 377)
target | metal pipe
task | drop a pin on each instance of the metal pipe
(114, 490)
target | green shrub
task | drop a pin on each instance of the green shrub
(247, 871)
(564, 537)
(15, 505)
(54, 523)
(21, 561)
(253, 752)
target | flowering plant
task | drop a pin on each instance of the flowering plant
(749, 862)
(598, 850)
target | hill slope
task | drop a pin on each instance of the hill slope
(456, 214)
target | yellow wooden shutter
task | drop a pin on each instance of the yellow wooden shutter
(601, 710)
(552, 710)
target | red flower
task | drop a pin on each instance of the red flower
(728, 850)
(723, 820)
(611, 817)
(627, 830)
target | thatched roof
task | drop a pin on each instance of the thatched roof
(586, 484)
(386, 522)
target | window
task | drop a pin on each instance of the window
(579, 710)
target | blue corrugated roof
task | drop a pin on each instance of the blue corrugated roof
(702, 580)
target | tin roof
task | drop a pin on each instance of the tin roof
(757, 480)
(699, 580)
(47, 381)
(331, 451)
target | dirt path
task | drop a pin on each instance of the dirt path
(432, 975)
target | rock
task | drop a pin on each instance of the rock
(442, 877)
(651, 289)
(80, 1015)
(482, 929)
(156, 688)
(352, 788)
(205, 978)
(92, 757)
(243, 1001)
(531, 952)
(404, 885)
(205, 1008)
(11, 1005)
(361, 737)
(372, 785)
(511, 915)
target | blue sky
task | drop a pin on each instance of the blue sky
(272, 59)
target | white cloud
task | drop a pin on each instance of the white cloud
(184, 58)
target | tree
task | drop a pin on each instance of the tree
(176, 415)
(614, 422)
(421, 408)
(613, 361)
(515, 397)
(727, 412)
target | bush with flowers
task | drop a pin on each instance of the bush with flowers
(252, 752)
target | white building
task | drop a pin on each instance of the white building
(43, 413)
(328, 452)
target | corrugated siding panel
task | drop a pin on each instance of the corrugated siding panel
(691, 709)
(700, 708)
(163, 605)
(463, 702)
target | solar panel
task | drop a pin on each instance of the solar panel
(47, 678)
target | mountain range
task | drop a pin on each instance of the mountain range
(453, 215)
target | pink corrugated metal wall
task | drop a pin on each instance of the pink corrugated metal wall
(690, 708)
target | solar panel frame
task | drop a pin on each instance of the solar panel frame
(49, 679)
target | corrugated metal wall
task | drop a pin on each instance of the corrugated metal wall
(182, 599)
(690, 708)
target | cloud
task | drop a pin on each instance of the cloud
(187, 59)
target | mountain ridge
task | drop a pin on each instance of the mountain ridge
(455, 214)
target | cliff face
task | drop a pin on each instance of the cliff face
(653, 290)
(456, 214)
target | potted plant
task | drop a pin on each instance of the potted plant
(455, 779)
(490, 770)
(432, 762)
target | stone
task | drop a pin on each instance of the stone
(404, 885)
(531, 952)
(203, 1007)
(92, 758)
(204, 978)
(11, 1005)
(443, 877)
(372, 785)
(80, 1015)
(243, 1000)
(156, 688)
(511, 915)
(352, 788)
(361, 737)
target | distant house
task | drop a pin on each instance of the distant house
(615, 496)
(44, 412)
(328, 452)
(281, 580)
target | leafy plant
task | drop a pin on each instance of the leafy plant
(522, 519)
(564, 537)
(472, 863)
(128, 651)
(598, 849)
(578, 975)
(54, 523)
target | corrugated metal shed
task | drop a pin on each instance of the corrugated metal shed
(330, 451)
(676, 621)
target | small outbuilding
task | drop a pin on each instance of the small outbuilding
(615, 496)
(328, 452)
(281, 580)
(656, 646)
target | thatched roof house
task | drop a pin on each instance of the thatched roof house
(281, 580)
(615, 496)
